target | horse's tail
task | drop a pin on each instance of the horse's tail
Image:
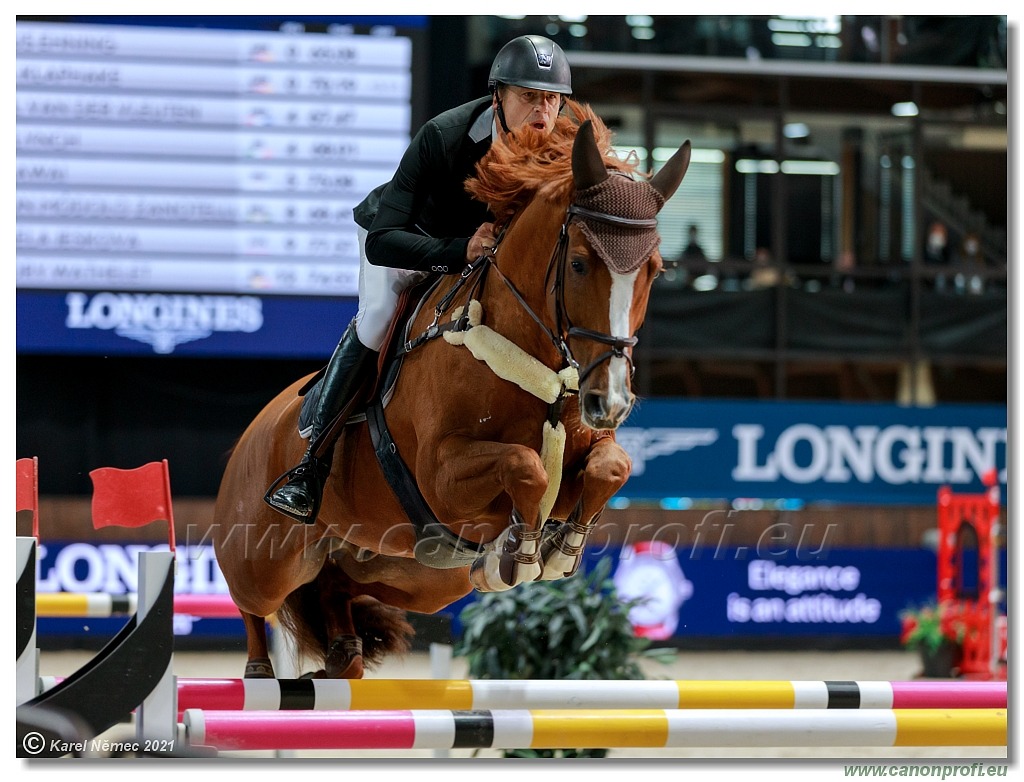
(383, 628)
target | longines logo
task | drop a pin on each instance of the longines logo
(643, 445)
(163, 320)
(805, 453)
(896, 454)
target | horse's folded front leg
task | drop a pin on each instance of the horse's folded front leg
(607, 469)
(475, 475)
(515, 560)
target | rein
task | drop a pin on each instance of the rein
(478, 272)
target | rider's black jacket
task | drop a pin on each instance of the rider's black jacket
(423, 218)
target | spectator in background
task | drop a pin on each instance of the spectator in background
(936, 251)
(765, 274)
(693, 252)
(843, 277)
(969, 261)
(692, 261)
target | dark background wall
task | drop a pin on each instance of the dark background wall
(977, 174)
(79, 413)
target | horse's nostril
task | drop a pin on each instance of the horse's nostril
(601, 411)
(593, 405)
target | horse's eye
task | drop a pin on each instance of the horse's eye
(578, 266)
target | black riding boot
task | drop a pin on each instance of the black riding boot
(300, 497)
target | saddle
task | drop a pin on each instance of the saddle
(382, 383)
(436, 546)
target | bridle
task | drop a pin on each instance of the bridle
(564, 329)
(563, 325)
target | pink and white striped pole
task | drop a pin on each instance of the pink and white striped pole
(547, 729)
(343, 695)
(102, 604)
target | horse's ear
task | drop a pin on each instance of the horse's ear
(588, 167)
(667, 180)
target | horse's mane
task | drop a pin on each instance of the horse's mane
(526, 164)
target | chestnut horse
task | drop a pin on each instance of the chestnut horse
(512, 382)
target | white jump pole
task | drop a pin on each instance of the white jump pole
(157, 716)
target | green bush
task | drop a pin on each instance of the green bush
(574, 628)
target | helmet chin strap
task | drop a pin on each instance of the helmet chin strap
(501, 112)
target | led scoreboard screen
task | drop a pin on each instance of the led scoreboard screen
(189, 190)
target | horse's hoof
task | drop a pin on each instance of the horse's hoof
(259, 668)
(484, 575)
(558, 564)
(354, 670)
(561, 550)
(556, 573)
(345, 658)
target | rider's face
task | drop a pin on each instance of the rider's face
(528, 107)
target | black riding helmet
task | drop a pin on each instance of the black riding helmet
(530, 61)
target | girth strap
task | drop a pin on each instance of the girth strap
(437, 546)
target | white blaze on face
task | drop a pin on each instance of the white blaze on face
(619, 308)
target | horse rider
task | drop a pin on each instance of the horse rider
(423, 222)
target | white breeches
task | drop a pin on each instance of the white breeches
(379, 288)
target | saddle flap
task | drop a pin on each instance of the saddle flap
(410, 300)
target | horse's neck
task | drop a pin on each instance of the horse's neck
(523, 259)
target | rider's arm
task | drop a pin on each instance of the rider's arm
(394, 239)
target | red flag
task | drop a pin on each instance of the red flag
(132, 498)
(27, 489)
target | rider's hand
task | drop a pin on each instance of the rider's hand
(480, 243)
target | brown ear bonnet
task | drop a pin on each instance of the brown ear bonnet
(623, 248)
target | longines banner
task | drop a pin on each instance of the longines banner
(112, 568)
(828, 452)
(183, 324)
(685, 592)
(831, 595)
